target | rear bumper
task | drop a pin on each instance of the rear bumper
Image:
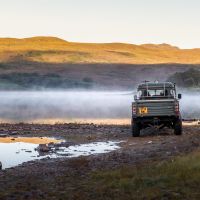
(156, 120)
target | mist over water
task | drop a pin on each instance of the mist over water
(32, 106)
(190, 105)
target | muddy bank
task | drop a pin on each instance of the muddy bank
(77, 133)
(62, 178)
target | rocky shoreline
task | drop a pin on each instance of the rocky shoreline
(42, 179)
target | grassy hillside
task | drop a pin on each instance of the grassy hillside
(25, 81)
(188, 79)
(34, 75)
(49, 62)
(55, 50)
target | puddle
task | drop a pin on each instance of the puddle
(88, 149)
(20, 150)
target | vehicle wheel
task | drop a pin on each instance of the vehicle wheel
(178, 127)
(135, 129)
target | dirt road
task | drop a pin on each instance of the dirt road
(60, 178)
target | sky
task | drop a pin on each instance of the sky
(176, 22)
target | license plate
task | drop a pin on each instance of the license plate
(143, 110)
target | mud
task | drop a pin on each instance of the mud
(37, 179)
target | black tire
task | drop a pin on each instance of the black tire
(178, 127)
(135, 129)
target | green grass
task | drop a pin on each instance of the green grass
(175, 179)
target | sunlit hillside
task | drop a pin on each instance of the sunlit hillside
(55, 50)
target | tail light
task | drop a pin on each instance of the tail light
(177, 108)
(134, 109)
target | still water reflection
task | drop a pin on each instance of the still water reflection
(15, 152)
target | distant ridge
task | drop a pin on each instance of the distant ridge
(42, 38)
(56, 50)
(161, 46)
(37, 39)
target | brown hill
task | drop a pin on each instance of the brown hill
(55, 50)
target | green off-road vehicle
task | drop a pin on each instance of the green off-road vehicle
(156, 104)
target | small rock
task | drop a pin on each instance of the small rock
(57, 148)
(89, 137)
(13, 133)
(115, 136)
(28, 151)
(168, 153)
(51, 145)
(3, 135)
(43, 148)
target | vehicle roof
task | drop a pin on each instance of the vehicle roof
(155, 85)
